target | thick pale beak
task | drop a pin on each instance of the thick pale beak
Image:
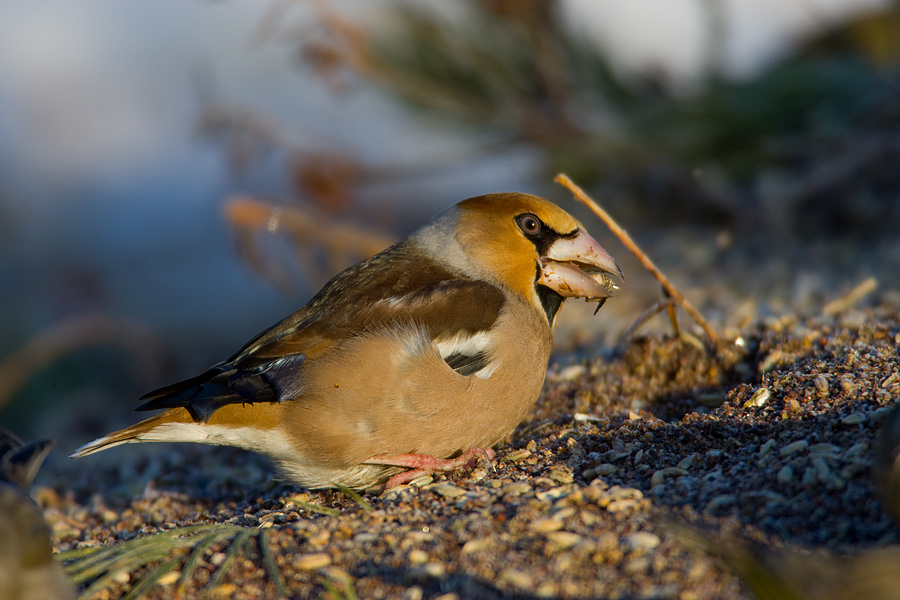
(577, 267)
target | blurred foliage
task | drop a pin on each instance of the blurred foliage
(784, 574)
(27, 568)
(728, 152)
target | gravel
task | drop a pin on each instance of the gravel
(590, 497)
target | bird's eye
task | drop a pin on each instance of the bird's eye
(529, 223)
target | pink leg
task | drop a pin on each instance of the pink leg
(422, 464)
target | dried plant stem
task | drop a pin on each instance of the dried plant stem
(855, 295)
(73, 334)
(303, 225)
(579, 194)
(646, 315)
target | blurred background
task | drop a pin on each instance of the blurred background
(177, 176)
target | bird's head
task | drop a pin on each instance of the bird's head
(533, 247)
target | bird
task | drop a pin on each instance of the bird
(416, 360)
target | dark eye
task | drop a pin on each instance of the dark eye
(529, 223)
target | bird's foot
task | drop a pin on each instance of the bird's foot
(423, 464)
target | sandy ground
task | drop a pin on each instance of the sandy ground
(587, 499)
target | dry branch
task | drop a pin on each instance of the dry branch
(677, 296)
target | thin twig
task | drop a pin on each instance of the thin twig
(855, 295)
(579, 194)
(645, 316)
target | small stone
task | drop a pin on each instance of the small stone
(421, 481)
(637, 565)
(718, 502)
(447, 490)
(418, 557)
(563, 540)
(659, 477)
(824, 450)
(798, 446)
(414, 592)
(641, 541)
(518, 455)
(516, 578)
(517, 488)
(545, 525)
(759, 398)
(571, 373)
(561, 476)
(601, 470)
(217, 559)
(857, 450)
(687, 462)
(855, 418)
(476, 545)
(821, 385)
(435, 570)
(618, 506)
(554, 493)
(786, 475)
(169, 578)
(310, 562)
(766, 448)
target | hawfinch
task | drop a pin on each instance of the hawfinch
(415, 360)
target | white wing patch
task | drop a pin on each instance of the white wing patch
(459, 349)
(468, 345)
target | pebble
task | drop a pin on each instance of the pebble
(418, 557)
(855, 418)
(516, 578)
(601, 470)
(786, 475)
(169, 578)
(641, 541)
(571, 373)
(793, 448)
(517, 489)
(759, 398)
(518, 455)
(421, 481)
(659, 477)
(447, 490)
(718, 502)
(545, 525)
(826, 450)
(434, 569)
(554, 493)
(563, 540)
(310, 562)
(476, 545)
(766, 448)
(561, 476)
(687, 462)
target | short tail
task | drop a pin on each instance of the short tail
(145, 431)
